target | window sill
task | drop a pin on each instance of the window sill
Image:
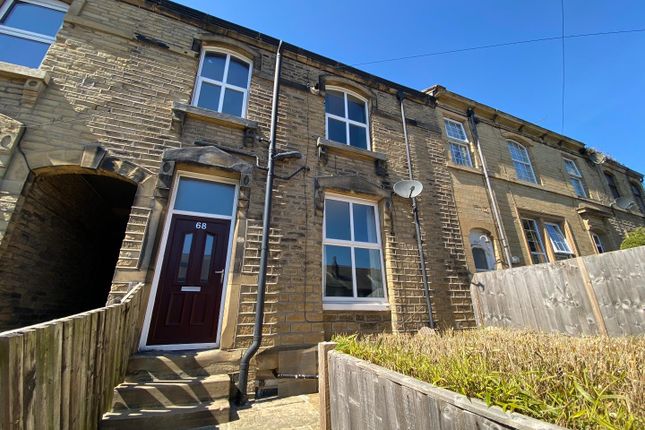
(226, 120)
(349, 151)
(22, 72)
(354, 306)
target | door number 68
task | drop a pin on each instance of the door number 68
(200, 226)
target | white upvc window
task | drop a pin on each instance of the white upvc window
(534, 241)
(352, 255)
(575, 177)
(458, 141)
(598, 243)
(522, 162)
(223, 82)
(346, 118)
(455, 130)
(28, 28)
(558, 240)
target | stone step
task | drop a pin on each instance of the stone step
(154, 366)
(174, 417)
(164, 394)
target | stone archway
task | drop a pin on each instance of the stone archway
(62, 243)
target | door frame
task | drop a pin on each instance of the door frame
(143, 346)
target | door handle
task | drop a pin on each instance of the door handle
(220, 273)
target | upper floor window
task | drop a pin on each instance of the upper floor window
(352, 259)
(559, 242)
(638, 195)
(534, 241)
(346, 118)
(28, 28)
(575, 177)
(613, 187)
(223, 83)
(522, 162)
(459, 149)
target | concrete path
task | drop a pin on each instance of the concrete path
(293, 413)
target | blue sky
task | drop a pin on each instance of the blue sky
(605, 75)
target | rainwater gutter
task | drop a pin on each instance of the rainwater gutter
(264, 251)
(415, 210)
(472, 122)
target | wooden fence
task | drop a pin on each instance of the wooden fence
(601, 294)
(61, 374)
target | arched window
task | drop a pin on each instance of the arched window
(223, 83)
(346, 118)
(522, 162)
(481, 246)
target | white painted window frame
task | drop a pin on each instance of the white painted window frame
(461, 126)
(347, 120)
(355, 302)
(162, 253)
(600, 248)
(466, 148)
(30, 35)
(575, 177)
(526, 162)
(535, 228)
(201, 79)
(565, 241)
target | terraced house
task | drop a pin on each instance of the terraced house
(144, 144)
(135, 142)
(527, 195)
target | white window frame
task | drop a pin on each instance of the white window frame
(223, 85)
(445, 126)
(162, 252)
(535, 227)
(565, 241)
(526, 162)
(347, 120)
(482, 239)
(353, 303)
(466, 148)
(30, 35)
(575, 177)
(600, 248)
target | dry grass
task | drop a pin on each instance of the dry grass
(579, 383)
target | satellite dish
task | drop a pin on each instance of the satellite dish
(597, 157)
(408, 189)
(624, 203)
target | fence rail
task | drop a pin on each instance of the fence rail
(601, 294)
(61, 374)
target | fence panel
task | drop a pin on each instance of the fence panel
(61, 373)
(600, 294)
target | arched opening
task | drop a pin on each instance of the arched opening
(481, 246)
(62, 244)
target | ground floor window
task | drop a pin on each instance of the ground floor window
(352, 252)
(598, 243)
(559, 242)
(557, 247)
(534, 241)
(481, 246)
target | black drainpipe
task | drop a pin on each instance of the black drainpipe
(401, 96)
(264, 252)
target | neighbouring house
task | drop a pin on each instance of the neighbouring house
(550, 196)
(133, 146)
(134, 139)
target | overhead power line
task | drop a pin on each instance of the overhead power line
(500, 45)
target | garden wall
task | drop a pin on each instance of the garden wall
(365, 396)
(600, 294)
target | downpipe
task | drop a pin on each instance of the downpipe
(415, 210)
(266, 220)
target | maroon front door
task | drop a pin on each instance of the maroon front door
(187, 305)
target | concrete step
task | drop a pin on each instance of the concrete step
(164, 394)
(156, 366)
(174, 417)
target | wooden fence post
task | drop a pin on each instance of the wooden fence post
(323, 384)
(591, 294)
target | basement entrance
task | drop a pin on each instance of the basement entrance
(62, 245)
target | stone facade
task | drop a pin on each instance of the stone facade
(551, 199)
(112, 100)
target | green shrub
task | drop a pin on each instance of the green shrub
(634, 238)
(580, 383)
